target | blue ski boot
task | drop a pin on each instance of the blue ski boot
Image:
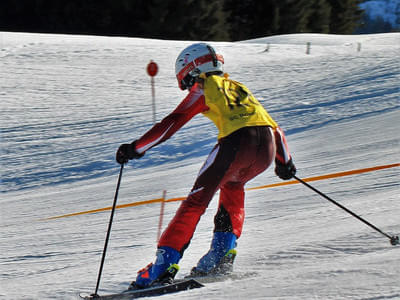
(219, 259)
(163, 271)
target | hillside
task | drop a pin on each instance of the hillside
(67, 102)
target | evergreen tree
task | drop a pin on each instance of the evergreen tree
(240, 17)
(377, 25)
(253, 19)
(176, 19)
(258, 18)
(320, 17)
(208, 20)
(345, 16)
(266, 17)
(295, 15)
(189, 20)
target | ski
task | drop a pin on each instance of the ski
(211, 278)
(176, 286)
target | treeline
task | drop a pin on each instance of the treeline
(222, 20)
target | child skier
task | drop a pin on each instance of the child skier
(248, 141)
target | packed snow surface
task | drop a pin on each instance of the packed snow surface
(68, 102)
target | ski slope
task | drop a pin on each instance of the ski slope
(68, 102)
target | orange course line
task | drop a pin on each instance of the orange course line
(328, 176)
(107, 208)
(315, 178)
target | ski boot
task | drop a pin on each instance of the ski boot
(163, 271)
(219, 259)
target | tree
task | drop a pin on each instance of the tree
(319, 17)
(189, 20)
(250, 19)
(377, 25)
(294, 16)
(258, 18)
(221, 20)
(345, 16)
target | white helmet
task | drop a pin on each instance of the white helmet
(194, 60)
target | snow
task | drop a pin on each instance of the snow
(388, 10)
(67, 102)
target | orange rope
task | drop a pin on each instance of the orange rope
(315, 178)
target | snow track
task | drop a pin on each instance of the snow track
(67, 102)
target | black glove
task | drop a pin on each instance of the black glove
(285, 171)
(126, 152)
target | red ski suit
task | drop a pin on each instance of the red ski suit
(235, 159)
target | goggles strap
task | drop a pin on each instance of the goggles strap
(213, 54)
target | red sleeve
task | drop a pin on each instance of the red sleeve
(193, 104)
(282, 149)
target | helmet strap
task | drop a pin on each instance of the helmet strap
(188, 82)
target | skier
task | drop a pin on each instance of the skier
(248, 141)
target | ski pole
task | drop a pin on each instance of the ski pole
(394, 240)
(95, 295)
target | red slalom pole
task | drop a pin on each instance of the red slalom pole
(152, 70)
(161, 215)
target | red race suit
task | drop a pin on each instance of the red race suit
(244, 150)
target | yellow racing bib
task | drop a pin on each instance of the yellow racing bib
(232, 106)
